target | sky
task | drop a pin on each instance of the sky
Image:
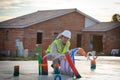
(102, 10)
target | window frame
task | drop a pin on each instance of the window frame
(39, 40)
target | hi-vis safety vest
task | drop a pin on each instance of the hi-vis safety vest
(61, 49)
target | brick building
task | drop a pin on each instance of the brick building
(41, 27)
(104, 36)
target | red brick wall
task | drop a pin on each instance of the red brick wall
(73, 22)
(112, 40)
(1, 39)
(8, 43)
(85, 41)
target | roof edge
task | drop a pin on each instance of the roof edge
(87, 16)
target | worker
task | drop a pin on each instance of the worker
(58, 47)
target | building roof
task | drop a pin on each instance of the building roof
(37, 17)
(103, 26)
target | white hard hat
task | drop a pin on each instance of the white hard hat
(66, 33)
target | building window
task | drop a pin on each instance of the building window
(39, 37)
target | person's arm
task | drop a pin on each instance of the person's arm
(53, 50)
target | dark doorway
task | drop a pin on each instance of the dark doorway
(79, 39)
(97, 43)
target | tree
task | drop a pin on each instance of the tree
(116, 17)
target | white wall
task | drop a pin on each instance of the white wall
(89, 22)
